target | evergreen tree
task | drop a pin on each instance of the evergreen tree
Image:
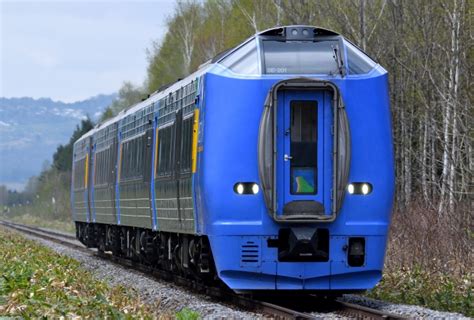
(62, 158)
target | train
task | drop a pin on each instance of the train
(268, 169)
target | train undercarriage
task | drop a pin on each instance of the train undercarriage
(186, 255)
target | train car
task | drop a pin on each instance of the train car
(270, 168)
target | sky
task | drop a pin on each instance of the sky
(70, 50)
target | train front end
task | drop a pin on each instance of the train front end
(295, 182)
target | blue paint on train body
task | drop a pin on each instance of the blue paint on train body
(231, 123)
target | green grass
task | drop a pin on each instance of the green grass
(434, 290)
(32, 220)
(37, 282)
(187, 314)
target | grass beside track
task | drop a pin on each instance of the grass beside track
(434, 290)
(36, 221)
(36, 282)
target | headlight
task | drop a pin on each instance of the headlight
(350, 188)
(255, 188)
(363, 188)
(242, 188)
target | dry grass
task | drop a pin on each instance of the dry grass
(429, 260)
(421, 237)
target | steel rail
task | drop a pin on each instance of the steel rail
(221, 294)
(357, 311)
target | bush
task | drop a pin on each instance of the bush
(419, 286)
(429, 260)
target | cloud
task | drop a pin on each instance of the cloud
(4, 124)
(71, 50)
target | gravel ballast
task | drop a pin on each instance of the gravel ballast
(170, 298)
(405, 310)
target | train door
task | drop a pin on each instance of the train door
(304, 153)
(165, 184)
(177, 159)
(90, 179)
(147, 174)
(112, 174)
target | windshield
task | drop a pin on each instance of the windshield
(359, 62)
(244, 60)
(299, 57)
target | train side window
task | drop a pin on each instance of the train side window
(141, 151)
(103, 171)
(131, 168)
(107, 165)
(165, 143)
(186, 144)
(79, 174)
(103, 166)
(136, 158)
(159, 148)
(123, 165)
(125, 160)
(97, 169)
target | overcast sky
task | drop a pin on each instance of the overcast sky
(70, 50)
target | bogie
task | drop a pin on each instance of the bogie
(184, 255)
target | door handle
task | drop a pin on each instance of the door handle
(287, 157)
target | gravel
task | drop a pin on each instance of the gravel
(170, 298)
(405, 310)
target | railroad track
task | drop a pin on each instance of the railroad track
(269, 309)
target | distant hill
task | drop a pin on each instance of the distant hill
(31, 129)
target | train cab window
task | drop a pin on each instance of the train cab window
(299, 57)
(357, 61)
(303, 146)
(244, 60)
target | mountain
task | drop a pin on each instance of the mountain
(31, 130)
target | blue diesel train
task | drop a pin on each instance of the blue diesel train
(269, 168)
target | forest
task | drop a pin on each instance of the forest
(427, 48)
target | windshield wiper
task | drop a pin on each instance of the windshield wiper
(338, 58)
